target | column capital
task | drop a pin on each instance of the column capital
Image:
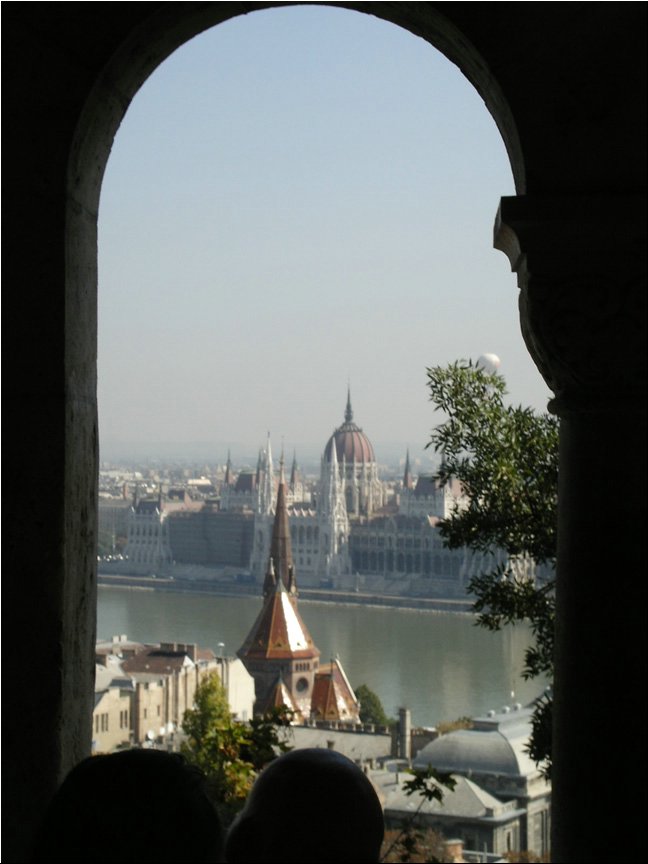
(581, 268)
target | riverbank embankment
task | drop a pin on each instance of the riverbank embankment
(322, 595)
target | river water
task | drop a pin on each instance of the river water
(438, 664)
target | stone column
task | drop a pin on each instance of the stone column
(581, 273)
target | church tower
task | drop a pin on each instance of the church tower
(279, 652)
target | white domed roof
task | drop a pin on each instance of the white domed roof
(495, 745)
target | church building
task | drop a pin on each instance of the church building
(280, 653)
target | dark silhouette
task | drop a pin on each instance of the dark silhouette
(308, 806)
(131, 806)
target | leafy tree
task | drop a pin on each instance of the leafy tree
(371, 709)
(506, 459)
(264, 742)
(229, 752)
(413, 843)
(416, 846)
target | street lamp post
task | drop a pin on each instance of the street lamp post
(221, 650)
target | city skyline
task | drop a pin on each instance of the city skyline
(299, 199)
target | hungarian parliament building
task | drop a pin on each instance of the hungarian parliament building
(349, 530)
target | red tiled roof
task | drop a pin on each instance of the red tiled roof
(280, 696)
(279, 632)
(324, 702)
(333, 697)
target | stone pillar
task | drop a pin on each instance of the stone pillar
(581, 274)
(405, 733)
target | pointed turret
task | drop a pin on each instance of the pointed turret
(278, 632)
(228, 471)
(280, 545)
(333, 696)
(279, 643)
(268, 480)
(408, 483)
(268, 459)
(348, 414)
(293, 473)
(330, 484)
(281, 697)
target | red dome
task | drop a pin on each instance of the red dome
(351, 444)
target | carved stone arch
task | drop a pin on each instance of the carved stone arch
(571, 131)
(167, 28)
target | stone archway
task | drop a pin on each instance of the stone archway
(567, 91)
(145, 46)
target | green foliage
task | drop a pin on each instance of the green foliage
(419, 845)
(411, 843)
(541, 721)
(503, 598)
(371, 709)
(428, 782)
(506, 459)
(227, 751)
(454, 725)
(263, 743)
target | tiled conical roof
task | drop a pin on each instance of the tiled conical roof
(280, 697)
(333, 697)
(278, 632)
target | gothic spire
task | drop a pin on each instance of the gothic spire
(268, 480)
(293, 472)
(348, 414)
(280, 545)
(228, 469)
(329, 488)
(408, 483)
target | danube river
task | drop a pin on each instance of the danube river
(437, 664)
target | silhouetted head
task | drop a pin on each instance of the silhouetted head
(131, 806)
(308, 806)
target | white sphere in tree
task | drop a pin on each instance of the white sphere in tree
(489, 363)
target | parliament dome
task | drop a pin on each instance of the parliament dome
(350, 442)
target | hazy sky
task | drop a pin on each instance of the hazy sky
(299, 198)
